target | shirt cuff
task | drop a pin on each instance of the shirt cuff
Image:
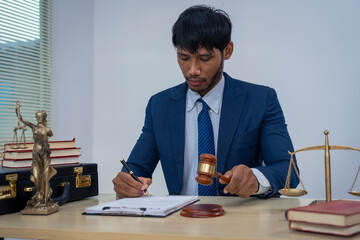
(264, 184)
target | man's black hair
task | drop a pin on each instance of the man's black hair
(202, 26)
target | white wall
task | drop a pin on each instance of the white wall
(73, 37)
(117, 53)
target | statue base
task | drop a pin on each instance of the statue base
(202, 211)
(40, 210)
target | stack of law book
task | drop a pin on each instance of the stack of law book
(20, 156)
(338, 217)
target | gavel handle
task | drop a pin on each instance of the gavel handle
(224, 178)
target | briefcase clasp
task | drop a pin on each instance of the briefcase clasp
(9, 191)
(82, 180)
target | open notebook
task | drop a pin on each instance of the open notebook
(153, 206)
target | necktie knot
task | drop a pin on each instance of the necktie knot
(205, 106)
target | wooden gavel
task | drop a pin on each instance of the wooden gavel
(206, 170)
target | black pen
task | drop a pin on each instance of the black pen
(133, 174)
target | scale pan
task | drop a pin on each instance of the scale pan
(355, 193)
(292, 192)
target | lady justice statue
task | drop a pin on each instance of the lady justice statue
(41, 171)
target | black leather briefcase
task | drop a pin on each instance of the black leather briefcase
(71, 183)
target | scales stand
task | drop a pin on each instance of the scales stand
(295, 192)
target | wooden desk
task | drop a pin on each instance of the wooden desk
(245, 219)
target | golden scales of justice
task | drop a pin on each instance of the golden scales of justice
(295, 192)
(22, 137)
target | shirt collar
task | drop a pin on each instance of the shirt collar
(213, 98)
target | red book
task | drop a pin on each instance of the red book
(29, 145)
(326, 229)
(341, 213)
(26, 163)
(26, 154)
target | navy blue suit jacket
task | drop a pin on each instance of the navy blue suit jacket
(252, 132)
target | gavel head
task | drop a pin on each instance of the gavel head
(206, 169)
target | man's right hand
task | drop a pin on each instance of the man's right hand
(126, 186)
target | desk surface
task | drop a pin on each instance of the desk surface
(245, 219)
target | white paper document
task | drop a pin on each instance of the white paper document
(155, 206)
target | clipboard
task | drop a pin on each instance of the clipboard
(144, 206)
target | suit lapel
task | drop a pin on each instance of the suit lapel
(177, 128)
(232, 106)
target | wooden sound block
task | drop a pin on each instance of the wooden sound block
(202, 211)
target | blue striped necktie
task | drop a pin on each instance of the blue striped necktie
(205, 145)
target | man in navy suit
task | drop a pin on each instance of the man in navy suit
(251, 140)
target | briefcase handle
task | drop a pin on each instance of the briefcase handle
(59, 199)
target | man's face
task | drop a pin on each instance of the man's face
(202, 70)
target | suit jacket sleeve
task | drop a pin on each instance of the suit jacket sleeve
(144, 156)
(275, 143)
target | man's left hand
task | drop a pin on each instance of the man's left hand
(242, 181)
